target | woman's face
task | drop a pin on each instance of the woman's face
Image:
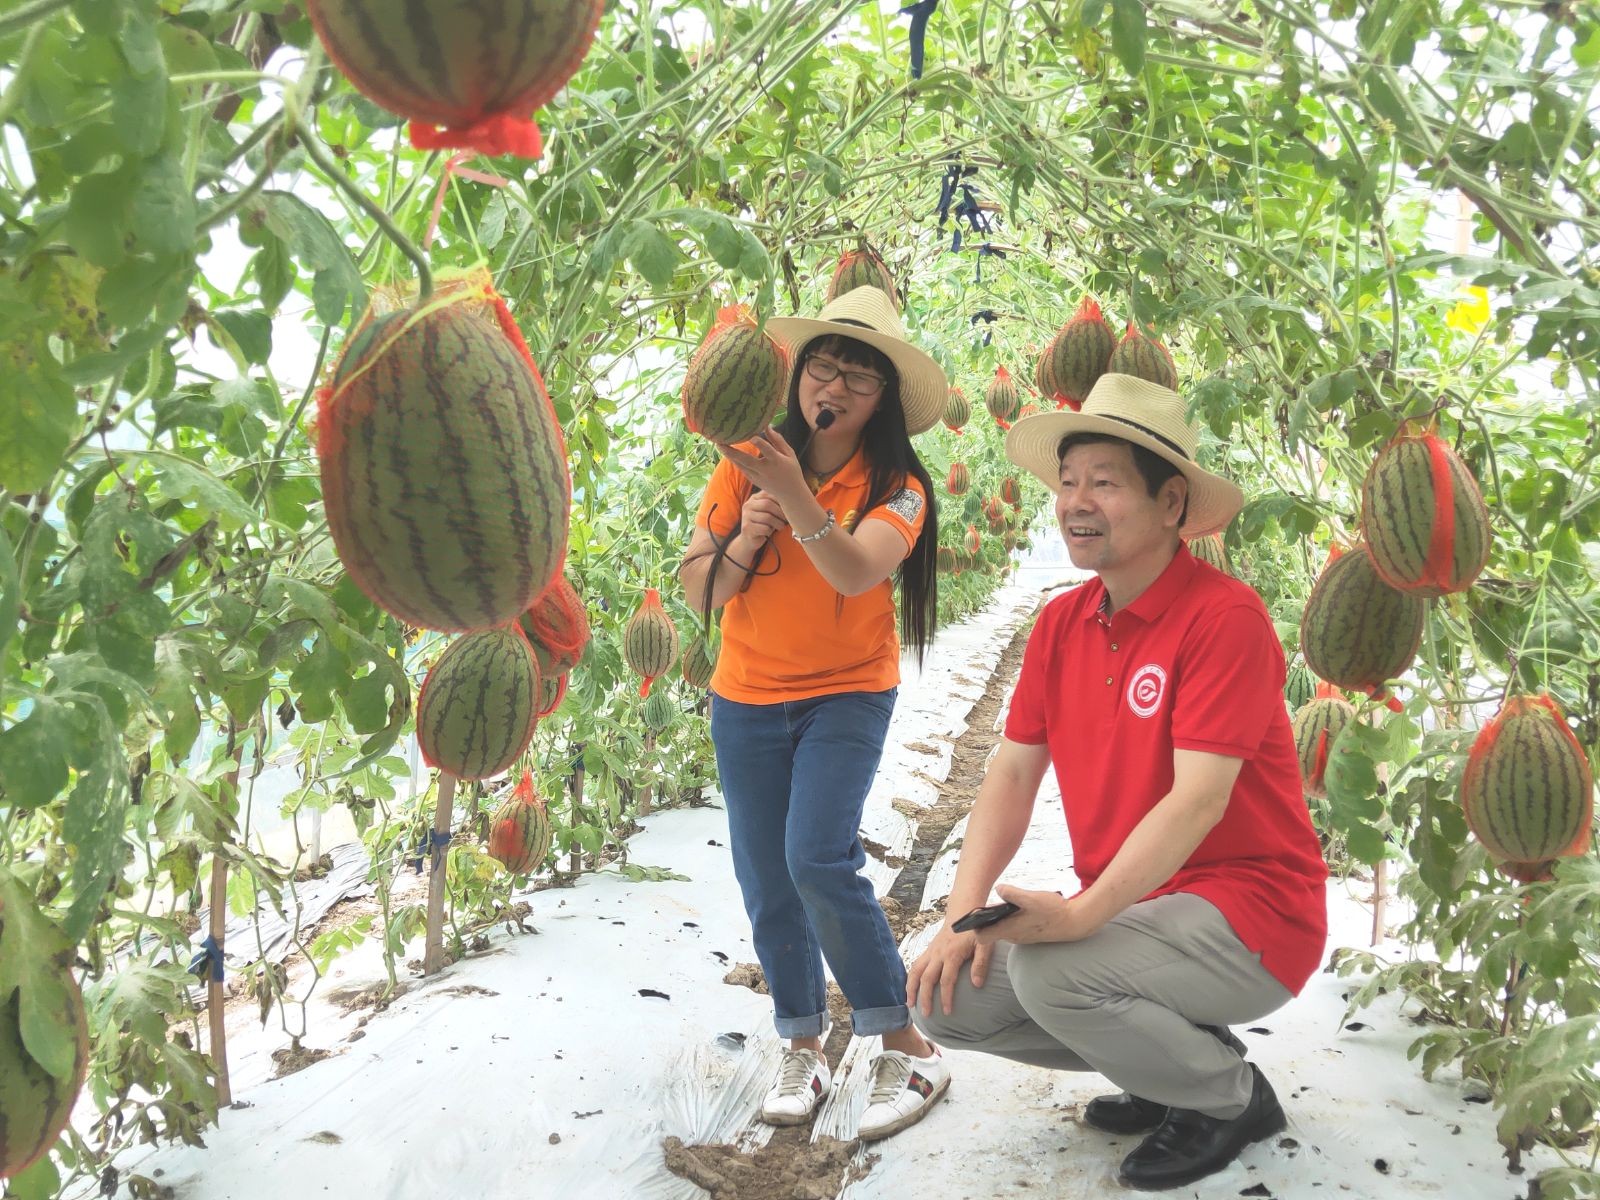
(852, 394)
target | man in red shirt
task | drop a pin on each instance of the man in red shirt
(1156, 692)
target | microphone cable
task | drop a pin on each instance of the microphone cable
(825, 418)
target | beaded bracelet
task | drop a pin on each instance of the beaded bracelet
(827, 528)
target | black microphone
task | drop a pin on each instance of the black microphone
(825, 418)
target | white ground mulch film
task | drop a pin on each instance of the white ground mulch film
(553, 1065)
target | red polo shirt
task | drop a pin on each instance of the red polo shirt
(1193, 664)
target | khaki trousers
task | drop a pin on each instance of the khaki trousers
(1125, 1003)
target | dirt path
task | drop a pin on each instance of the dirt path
(791, 1166)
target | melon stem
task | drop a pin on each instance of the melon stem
(319, 155)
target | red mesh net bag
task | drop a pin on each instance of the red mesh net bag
(557, 624)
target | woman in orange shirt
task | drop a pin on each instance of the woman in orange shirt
(799, 551)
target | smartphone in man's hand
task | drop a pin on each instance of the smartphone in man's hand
(979, 917)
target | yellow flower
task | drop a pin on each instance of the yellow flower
(1471, 312)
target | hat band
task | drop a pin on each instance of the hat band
(1167, 442)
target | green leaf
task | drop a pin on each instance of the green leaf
(34, 754)
(95, 820)
(139, 112)
(10, 594)
(136, 287)
(337, 287)
(1586, 50)
(721, 238)
(173, 694)
(366, 702)
(35, 956)
(38, 416)
(1128, 34)
(251, 332)
(39, 1182)
(100, 216)
(162, 214)
(184, 480)
(141, 43)
(139, 996)
(1383, 98)
(273, 270)
(652, 253)
(185, 51)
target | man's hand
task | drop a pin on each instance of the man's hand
(1045, 917)
(938, 967)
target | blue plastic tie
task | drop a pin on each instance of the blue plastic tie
(919, 14)
(989, 315)
(209, 953)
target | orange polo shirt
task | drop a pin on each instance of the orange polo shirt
(790, 635)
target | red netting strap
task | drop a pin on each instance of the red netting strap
(496, 135)
(1439, 569)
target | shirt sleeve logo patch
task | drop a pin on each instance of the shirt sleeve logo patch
(1146, 688)
(905, 504)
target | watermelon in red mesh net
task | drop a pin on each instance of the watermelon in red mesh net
(558, 626)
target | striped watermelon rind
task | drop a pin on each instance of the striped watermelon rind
(1316, 726)
(1002, 398)
(520, 833)
(1423, 517)
(479, 704)
(444, 476)
(457, 63)
(1358, 632)
(1527, 790)
(959, 479)
(1078, 355)
(1210, 549)
(659, 712)
(35, 1106)
(1144, 358)
(699, 664)
(552, 691)
(862, 268)
(735, 382)
(1298, 687)
(650, 641)
(957, 412)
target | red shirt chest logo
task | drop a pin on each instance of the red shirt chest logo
(1146, 689)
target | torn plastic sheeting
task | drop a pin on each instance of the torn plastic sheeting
(304, 906)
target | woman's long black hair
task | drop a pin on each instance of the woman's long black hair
(890, 458)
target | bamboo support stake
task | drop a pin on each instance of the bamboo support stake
(214, 998)
(1380, 874)
(576, 863)
(438, 850)
(216, 1017)
(646, 794)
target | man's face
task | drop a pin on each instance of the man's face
(1107, 516)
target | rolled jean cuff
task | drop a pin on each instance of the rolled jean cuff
(802, 1027)
(869, 1022)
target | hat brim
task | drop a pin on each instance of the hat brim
(924, 390)
(1031, 444)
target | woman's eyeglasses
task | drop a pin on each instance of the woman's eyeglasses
(862, 383)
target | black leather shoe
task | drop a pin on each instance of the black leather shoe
(1126, 1113)
(1189, 1145)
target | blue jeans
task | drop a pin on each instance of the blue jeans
(795, 777)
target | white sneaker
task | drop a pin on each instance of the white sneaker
(803, 1080)
(904, 1088)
